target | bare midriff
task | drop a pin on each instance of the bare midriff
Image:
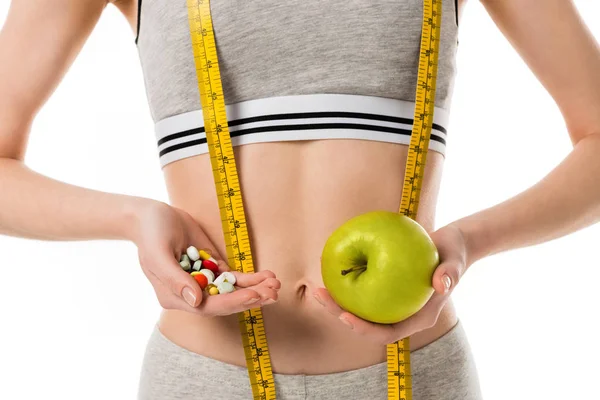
(295, 195)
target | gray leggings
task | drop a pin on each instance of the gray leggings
(442, 370)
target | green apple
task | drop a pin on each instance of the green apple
(379, 266)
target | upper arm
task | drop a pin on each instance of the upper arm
(38, 42)
(556, 44)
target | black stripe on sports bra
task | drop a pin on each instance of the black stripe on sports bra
(139, 18)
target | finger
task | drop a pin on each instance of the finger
(379, 333)
(179, 282)
(246, 280)
(446, 277)
(234, 302)
(244, 299)
(324, 298)
(383, 333)
(267, 293)
(165, 297)
(272, 283)
(241, 299)
(425, 318)
(434, 305)
(222, 304)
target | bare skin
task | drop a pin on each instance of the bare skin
(309, 178)
(323, 182)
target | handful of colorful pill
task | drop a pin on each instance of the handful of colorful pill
(205, 271)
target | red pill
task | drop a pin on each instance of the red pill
(211, 264)
(201, 279)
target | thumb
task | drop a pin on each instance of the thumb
(181, 283)
(446, 276)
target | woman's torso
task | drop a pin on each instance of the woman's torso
(297, 192)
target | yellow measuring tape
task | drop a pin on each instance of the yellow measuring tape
(229, 193)
(398, 353)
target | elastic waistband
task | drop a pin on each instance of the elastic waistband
(446, 359)
(302, 117)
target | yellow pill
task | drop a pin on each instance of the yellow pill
(204, 255)
(213, 290)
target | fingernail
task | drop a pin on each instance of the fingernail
(447, 282)
(345, 321)
(189, 296)
(252, 301)
(269, 301)
(316, 296)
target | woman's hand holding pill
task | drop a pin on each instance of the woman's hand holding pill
(165, 235)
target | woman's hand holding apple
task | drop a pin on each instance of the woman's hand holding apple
(452, 252)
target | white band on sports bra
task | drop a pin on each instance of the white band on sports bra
(300, 117)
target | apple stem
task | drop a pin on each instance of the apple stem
(360, 268)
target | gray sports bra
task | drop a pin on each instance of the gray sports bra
(294, 70)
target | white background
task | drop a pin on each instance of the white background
(75, 316)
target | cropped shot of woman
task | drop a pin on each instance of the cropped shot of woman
(320, 101)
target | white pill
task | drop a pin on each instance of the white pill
(225, 287)
(208, 273)
(197, 265)
(185, 265)
(221, 278)
(184, 257)
(228, 277)
(193, 253)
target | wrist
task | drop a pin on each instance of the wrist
(475, 238)
(132, 213)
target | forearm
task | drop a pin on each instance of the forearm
(566, 200)
(38, 207)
